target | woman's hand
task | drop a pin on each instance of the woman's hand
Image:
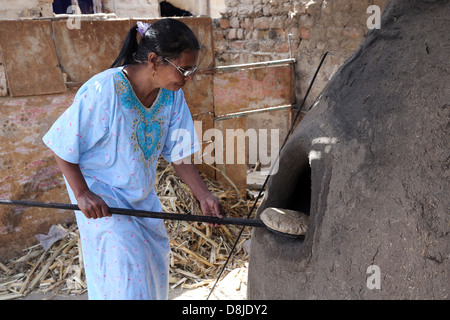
(211, 206)
(92, 205)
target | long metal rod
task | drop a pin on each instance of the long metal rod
(248, 65)
(246, 113)
(143, 213)
(255, 64)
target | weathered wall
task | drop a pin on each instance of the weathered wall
(28, 170)
(13, 9)
(257, 30)
(246, 91)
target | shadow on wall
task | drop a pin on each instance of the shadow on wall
(169, 10)
(64, 6)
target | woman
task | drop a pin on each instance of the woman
(107, 144)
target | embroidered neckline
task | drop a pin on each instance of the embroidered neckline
(149, 127)
(128, 82)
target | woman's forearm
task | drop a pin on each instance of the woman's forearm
(189, 174)
(92, 205)
(209, 204)
(73, 175)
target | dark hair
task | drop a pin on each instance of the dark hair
(168, 38)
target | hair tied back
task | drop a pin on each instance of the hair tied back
(142, 27)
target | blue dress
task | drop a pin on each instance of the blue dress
(116, 141)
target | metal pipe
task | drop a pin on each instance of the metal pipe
(249, 65)
(142, 213)
(294, 77)
(245, 113)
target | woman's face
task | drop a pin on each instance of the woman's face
(169, 77)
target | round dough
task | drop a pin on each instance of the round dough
(285, 221)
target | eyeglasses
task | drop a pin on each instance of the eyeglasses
(184, 73)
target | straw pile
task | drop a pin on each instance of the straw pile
(198, 251)
(59, 269)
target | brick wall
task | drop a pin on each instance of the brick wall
(257, 30)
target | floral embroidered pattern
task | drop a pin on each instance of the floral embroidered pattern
(148, 128)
